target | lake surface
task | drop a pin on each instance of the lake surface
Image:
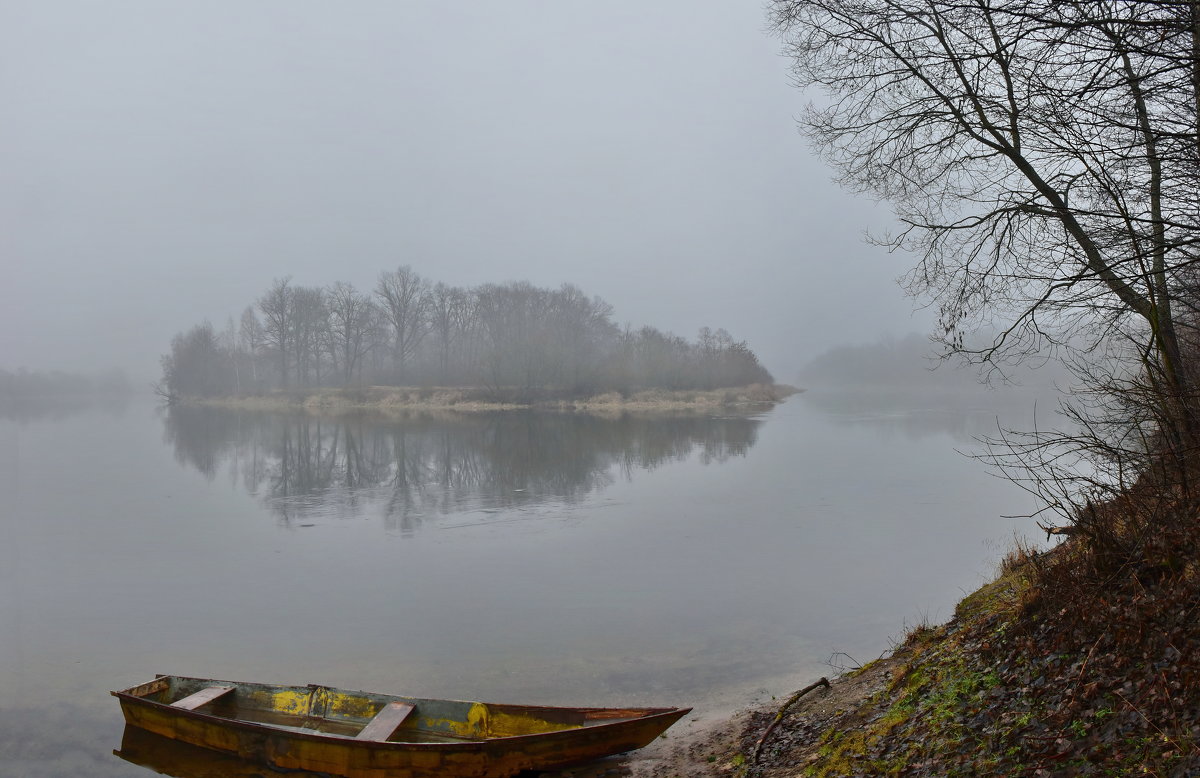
(514, 557)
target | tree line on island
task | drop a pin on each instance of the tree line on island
(515, 339)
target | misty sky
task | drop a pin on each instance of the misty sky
(162, 162)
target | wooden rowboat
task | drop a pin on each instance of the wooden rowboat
(363, 735)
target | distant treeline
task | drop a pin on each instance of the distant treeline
(43, 384)
(910, 362)
(408, 331)
(26, 394)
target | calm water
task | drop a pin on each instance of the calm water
(523, 558)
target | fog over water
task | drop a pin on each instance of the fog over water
(163, 162)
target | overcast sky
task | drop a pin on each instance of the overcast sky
(162, 162)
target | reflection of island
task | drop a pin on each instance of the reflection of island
(307, 468)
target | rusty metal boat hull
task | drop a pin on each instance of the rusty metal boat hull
(363, 735)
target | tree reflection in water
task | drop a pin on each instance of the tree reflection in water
(411, 468)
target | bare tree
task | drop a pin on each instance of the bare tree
(198, 365)
(229, 344)
(278, 328)
(309, 340)
(581, 331)
(449, 314)
(403, 297)
(516, 334)
(1041, 157)
(251, 339)
(350, 321)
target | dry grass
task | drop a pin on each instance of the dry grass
(391, 399)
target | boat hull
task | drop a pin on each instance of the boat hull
(613, 731)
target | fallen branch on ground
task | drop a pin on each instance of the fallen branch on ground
(783, 710)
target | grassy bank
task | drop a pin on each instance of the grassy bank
(468, 400)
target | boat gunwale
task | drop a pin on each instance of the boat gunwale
(647, 715)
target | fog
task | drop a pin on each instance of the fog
(163, 162)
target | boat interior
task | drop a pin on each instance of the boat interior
(315, 709)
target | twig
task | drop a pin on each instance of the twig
(1082, 669)
(841, 668)
(779, 715)
(1166, 738)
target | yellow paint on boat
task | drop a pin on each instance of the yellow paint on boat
(476, 724)
(509, 725)
(291, 702)
(352, 706)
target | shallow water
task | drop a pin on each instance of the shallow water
(510, 557)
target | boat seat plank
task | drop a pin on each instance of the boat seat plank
(202, 697)
(386, 721)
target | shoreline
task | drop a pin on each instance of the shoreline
(836, 730)
(404, 400)
(1012, 684)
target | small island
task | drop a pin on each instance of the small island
(411, 344)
